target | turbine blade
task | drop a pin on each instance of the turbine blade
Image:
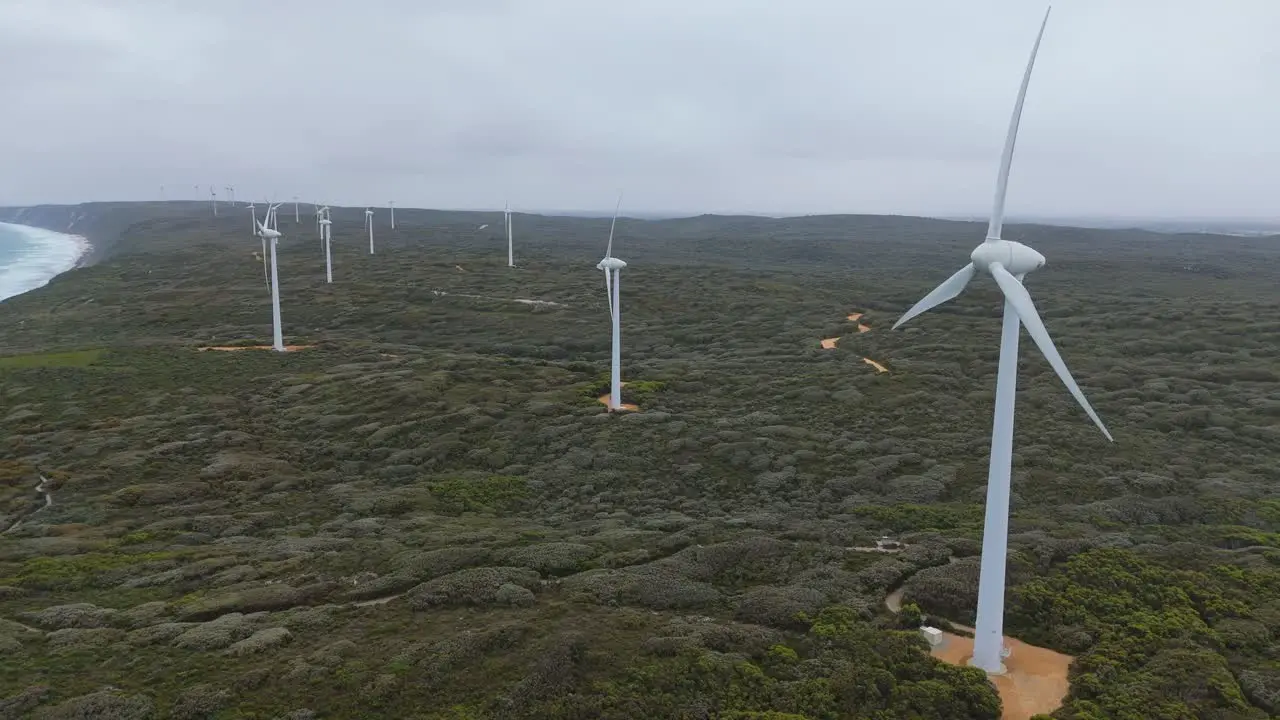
(1006, 158)
(1020, 300)
(949, 288)
(609, 251)
(608, 291)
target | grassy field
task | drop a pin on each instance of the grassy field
(427, 514)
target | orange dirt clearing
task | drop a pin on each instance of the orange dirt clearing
(604, 400)
(853, 317)
(876, 365)
(1035, 681)
(234, 348)
(830, 343)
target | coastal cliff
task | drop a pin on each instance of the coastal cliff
(103, 224)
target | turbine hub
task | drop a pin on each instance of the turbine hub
(610, 263)
(1017, 258)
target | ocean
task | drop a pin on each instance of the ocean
(31, 257)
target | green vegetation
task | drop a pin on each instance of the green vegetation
(429, 515)
(495, 492)
(1153, 641)
(77, 358)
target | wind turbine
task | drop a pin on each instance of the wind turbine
(213, 198)
(326, 236)
(295, 210)
(368, 221)
(1007, 263)
(254, 213)
(506, 214)
(268, 232)
(231, 194)
(392, 204)
(612, 267)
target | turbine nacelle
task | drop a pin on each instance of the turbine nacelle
(610, 263)
(1015, 257)
(325, 221)
(267, 232)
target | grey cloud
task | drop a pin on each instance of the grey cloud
(1142, 107)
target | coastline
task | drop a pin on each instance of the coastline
(56, 254)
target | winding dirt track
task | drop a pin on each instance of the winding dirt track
(830, 343)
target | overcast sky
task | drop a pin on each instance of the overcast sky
(1136, 108)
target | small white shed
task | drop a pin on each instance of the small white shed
(932, 634)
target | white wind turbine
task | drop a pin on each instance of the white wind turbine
(275, 216)
(253, 212)
(506, 214)
(368, 221)
(612, 267)
(326, 235)
(321, 213)
(231, 194)
(392, 204)
(213, 198)
(295, 210)
(1007, 263)
(268, 232)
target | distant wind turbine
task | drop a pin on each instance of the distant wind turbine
(319, 217)
(612, 267)
(368, 221)
(268, 232)
(253, 212)
(295, 210)
(511, 261)
(326, 236)
(213, 197)
(231, 194)
(392, 204)
(1007, 262)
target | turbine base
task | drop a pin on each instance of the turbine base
(1003, 670)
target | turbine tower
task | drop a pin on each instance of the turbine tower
(511, 253)
(506, 213)
(392, 205)
(1007, 263)
(213, 198)
(268, 232)
(326, 236)
(612, 267)
(295, 210)
(368, 221)
(231, 194)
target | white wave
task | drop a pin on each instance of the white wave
(45, 255)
